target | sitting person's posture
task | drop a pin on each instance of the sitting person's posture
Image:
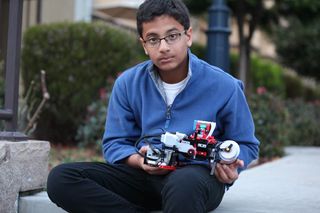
(166, 93)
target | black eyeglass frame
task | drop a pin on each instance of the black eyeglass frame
(166, 38)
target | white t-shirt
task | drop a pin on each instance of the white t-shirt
(172, 90)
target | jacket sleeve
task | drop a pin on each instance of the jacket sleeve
(237, 123)
(121, 130)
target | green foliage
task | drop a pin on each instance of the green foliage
(264, 73)
(304, 122)
(271, 120)
(197, 7)
(65, 154)
(296, 88)
(305, 10)
(199, 50)
(77, 57)
(234, 64)
(90, 132)
(281, 123)
(267, 74)
(297, 40)
(300, 49)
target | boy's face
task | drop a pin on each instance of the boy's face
(171, 53)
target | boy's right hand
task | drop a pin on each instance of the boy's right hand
(137, 161)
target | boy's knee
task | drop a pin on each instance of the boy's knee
(56, 173)
(55, 181)
(187, 180)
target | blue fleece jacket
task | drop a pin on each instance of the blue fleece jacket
(138, 107)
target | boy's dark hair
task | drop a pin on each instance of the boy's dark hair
(150, 9)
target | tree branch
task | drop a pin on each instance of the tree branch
(45, 98)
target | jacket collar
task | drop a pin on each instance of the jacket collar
(153, 71)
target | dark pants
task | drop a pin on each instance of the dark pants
(100, 187)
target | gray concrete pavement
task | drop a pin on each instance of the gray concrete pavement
(288, 185)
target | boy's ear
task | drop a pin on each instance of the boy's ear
(189, 35)
(143, 45)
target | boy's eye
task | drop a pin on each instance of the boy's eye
(172, 36)
(153, 40)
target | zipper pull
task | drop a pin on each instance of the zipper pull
(168, 116)
(168, 112)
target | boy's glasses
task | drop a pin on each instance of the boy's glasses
(172, 38)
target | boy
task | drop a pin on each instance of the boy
(168, 93)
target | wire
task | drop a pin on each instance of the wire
(145, 138)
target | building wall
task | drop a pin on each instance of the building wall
(56, 11)
(128, 3)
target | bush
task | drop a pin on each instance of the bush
(78, 58)
(305, 122)
(271, 120)
(198, 50)
(267, 74)
(300, 48)
(296, 88)
(90, 133)
(264, 73)
(281, 123)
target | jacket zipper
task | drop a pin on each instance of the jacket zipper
(168, 116)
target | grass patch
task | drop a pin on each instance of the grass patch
(66, 154)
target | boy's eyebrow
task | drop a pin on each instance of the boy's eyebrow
(157, 35)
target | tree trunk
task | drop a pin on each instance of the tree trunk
(243, 66)
(245, 39)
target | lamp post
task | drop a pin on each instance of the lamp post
(218, 35)
(10, 46)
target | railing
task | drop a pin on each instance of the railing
(11, 38)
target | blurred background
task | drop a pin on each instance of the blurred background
(83, 45)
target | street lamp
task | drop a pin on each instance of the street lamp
(218, 35)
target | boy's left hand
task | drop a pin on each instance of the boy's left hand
(228, 173)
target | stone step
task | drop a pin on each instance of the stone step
(38, 203)
(23, 168)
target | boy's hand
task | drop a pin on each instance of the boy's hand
(228, 173)
(137, 161)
